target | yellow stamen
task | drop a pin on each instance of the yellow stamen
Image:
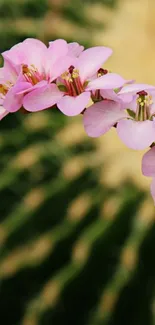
(65, 76)
(33, 67)
(75, 73)
(25, 69)
(30, 73)
(3, 89)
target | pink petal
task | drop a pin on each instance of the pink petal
(42, 98)
(72, 106)
(124, 100)
(100, 117)
(57, 49)
(60, 66)
(91, 60)
(136, 135)
(36, 52)
(9, 71)
(152, 188)
(3, 112)
(75, 49)
(128, 101)
(57, 59)
(15, 54)
(1, 101)
(12, 102)
(110, 94)
(130, 81)
(148, 163)
(108, 81)
(31, 51)
(23, 86)
(134, 88)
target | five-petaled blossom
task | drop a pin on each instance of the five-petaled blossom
(38, 68)
(35, 77)
(84, 80)
(132, 108)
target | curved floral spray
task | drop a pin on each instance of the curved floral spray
(35, 77)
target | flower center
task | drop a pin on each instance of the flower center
(72, 81)
(31, 74)
(102, 72)
(4, 88)
(144, 101)
(96, 96)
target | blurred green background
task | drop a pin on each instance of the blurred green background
(77, 232)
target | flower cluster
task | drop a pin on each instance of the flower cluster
(35, 77)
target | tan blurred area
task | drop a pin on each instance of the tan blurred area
(131, 35)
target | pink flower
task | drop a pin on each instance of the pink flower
(148, 168)
(83, 80)
(135, 126)
(39, 67)
(8, 77)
